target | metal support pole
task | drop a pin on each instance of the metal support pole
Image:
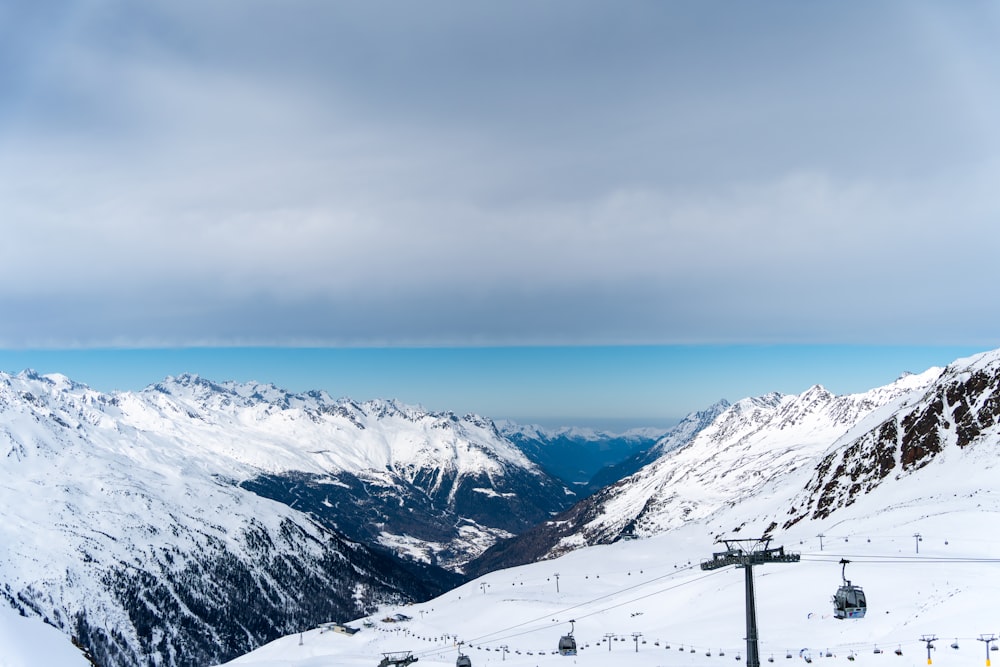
(987, 640)
(755, 552)
(753, 657)
(929, 639)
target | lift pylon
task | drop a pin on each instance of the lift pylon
(746, 554)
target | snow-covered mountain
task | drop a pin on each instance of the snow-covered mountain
(748, 451)
(136, 522)
(905, 490)
(958, 415)
(433, 487)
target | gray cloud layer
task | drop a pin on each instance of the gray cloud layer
(176, 173)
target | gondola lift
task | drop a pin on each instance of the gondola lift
(463, 660)
(849, 600)
(567, 644)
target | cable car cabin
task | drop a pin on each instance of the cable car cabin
(463, 661)
(567, 645)
(849, 601)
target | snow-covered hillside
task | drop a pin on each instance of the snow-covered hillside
(29, 642)
(961, 409)
(920, 542)
(128, 519)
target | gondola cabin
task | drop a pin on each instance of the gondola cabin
(463, 661)
(567, 644)
(849, 601)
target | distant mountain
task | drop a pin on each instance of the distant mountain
(575, 454)
(143, 524)
(742, 456)
(431, 487)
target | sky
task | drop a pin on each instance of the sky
(506, 185)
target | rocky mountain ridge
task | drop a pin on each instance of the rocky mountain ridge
(747, 453)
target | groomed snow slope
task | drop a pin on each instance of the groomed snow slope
(654, 586)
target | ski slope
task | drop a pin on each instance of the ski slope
(943, 585)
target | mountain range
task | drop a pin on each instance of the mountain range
(192, 521)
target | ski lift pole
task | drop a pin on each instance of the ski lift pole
(988, 640)
(746, 554)
(929, 639)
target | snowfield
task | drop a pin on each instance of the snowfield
(656, 588)
(30, 642)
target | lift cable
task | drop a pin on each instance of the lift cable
(583, 604)
(548, 616)
(835, 558)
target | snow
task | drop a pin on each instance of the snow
(654, 586)
(159, 450)
(921, 544)
(30, 642)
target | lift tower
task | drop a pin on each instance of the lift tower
(746, 554)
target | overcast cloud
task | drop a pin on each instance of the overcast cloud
(454, 173)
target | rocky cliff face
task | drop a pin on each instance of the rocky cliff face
(961, 409)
